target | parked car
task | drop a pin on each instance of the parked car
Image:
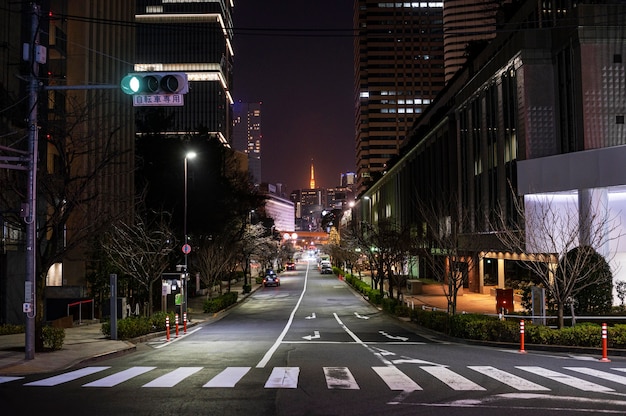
(326, 269)
(271, 280)
(290, 265)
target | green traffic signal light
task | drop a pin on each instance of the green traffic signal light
(131, 84)
(155, 83)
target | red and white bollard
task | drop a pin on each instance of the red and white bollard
(167, 327)
(184, 322)
(176, 325)
(521, 337)
(604, 358)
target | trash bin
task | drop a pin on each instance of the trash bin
(504, 300)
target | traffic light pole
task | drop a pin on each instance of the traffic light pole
(30, 217)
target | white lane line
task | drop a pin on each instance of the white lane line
(117, 378)
(66, 377)
(228, 378)
(8, 379)
(173, 377)
(173, 339)
(283, 378)
(268, 355)
(452, 379)
(358, 341)
(340, 378)
(600, 374)
(575, 382)
(509, 379)
(396, 379)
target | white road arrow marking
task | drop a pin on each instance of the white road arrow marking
(315, 336)
(393, 337)
(361, 316)
(311, 317)
(383, 352)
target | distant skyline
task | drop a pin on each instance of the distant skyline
(304, 79)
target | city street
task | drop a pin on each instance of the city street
(313, 347)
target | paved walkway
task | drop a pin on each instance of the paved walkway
(86, 342)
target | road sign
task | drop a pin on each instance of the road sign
(186, 249)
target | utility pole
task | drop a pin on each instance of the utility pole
(30, 210)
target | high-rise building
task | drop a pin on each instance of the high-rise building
(399, 69)
(248, 136)
(468, 24)
(194, 37)
(85, 146)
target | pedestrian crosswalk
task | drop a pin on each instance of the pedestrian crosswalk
(411, 379)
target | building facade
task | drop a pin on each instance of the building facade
(85, 143)
(248, 136)
(398, 71)
(195, 38)
(468, 24)
(520, 121)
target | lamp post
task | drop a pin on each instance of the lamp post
(186, 247)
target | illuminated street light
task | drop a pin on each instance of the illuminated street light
(186, 247)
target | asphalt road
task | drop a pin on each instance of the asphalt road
(314, 347)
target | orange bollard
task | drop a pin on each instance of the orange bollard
(604, 359)
(185, 323)
(176, 325)
(521, 336)
(167, 327)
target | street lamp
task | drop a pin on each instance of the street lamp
(186, 247)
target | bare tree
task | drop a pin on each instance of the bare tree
(387, 248)
(141, 250)
(559, 239)
(440, 242)
(215, 257)
(83, 185)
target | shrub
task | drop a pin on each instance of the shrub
(219, 303)
(53, 337)
(8, 329)
(136, 326)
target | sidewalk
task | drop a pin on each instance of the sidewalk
(467, 302)
(86, 342)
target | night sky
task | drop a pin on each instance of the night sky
(304, 78)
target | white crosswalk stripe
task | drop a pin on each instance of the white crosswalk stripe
(67, 377)
(341, 378)
(452, 379)
(396, 379)
(599, 374)
(228, 378)
(509, 379)
(283, 378)
(118, 378)
(173, 377)
(7, 379)
(575, 382)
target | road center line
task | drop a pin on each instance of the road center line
(358, 341)
(268, 355)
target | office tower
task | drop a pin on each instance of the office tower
(399, 69)
(469, 25)
(248, 136)
(85, 142)
(192, 37)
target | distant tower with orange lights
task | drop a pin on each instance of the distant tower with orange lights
(312, 182)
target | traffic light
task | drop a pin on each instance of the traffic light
(155, 83)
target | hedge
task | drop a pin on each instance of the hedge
(489, 328)
(136, 326)
(220, 302)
